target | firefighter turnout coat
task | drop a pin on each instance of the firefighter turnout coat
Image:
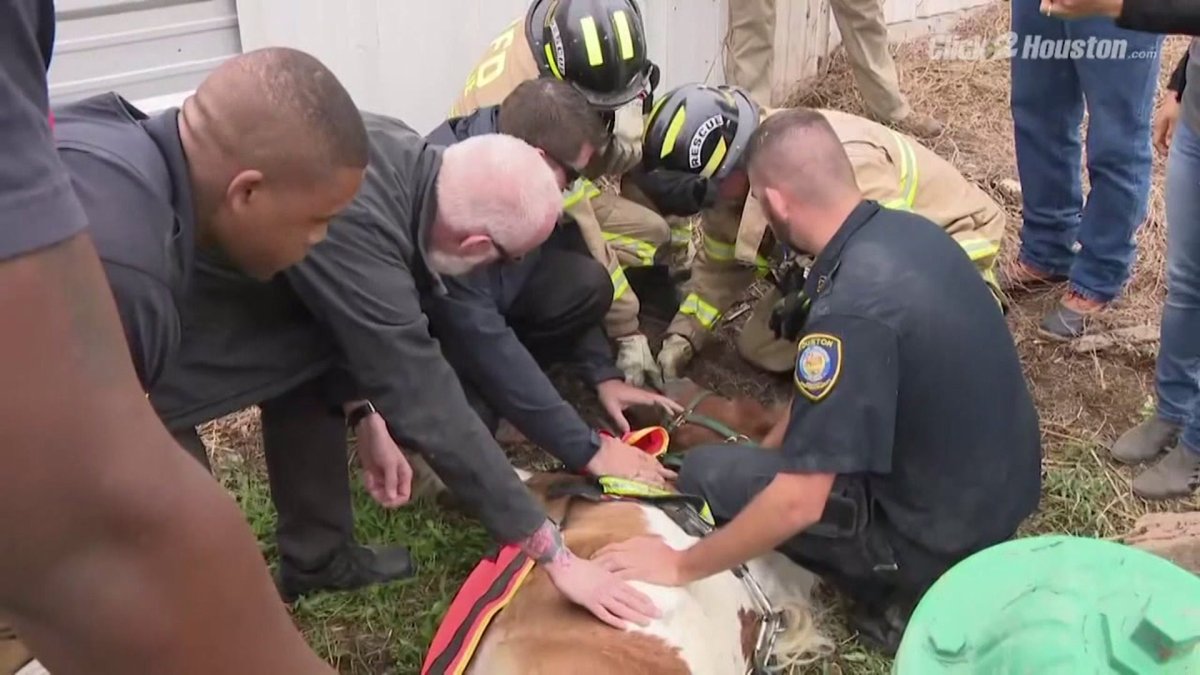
(892, 168)
(619, 233)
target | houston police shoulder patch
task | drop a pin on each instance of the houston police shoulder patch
(818, 365)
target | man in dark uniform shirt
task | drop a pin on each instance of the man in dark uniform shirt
(116, 550)
(912, 440)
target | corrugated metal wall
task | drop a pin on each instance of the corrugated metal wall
(152, 51)
(409, 58)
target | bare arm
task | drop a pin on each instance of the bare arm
(788, 505)
(119, 550)
(117, 553)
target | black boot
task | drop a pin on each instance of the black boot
(352, 567)
(880, 626)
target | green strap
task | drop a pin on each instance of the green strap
(690, 416)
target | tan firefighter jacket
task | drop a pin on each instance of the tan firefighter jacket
(891, 168)
(509, 61)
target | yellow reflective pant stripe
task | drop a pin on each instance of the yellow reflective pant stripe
(718, 250)
(978, 249)
(620, 282)
(681, 234)
(644, 250)
(705, 313)
(908, 176)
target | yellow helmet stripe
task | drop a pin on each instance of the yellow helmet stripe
(553, 64)
(673, 132)
(624, 36)
(653, 113)
(591, 39)
(715, 160)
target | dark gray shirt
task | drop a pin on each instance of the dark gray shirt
(131, 176)
(37, 207)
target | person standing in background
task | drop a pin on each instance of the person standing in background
(1175, 427)
(749, 62)
(1089, 244)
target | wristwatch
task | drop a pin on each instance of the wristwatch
(359, 414)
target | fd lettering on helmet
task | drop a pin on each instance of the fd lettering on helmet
(697, 144)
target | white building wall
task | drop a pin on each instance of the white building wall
(151, 51)
(406, 58)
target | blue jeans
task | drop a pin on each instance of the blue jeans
(1178, 370)
(1048, 97)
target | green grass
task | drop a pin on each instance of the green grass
(387, 629)
(382, 629)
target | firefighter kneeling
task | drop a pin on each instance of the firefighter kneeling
(692, 163)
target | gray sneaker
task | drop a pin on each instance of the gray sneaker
(1145, 441)
(1175, 475)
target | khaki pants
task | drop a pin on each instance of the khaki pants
(633, 236)
(749, 62)
(759, 346)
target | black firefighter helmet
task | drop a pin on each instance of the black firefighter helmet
(598, 46)
(699, 129)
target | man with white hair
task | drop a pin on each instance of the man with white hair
(502, 325)
(425, 211)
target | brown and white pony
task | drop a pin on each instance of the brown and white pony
(706, 628)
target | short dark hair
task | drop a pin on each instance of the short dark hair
(550, 114)
(282, 109)
(304, 87)
(798, 150)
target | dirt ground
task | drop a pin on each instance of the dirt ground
(1085, 399)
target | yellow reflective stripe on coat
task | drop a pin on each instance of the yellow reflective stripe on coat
(620, 282)
(581, 189)
(908, 176)
(705, 313)
(644, 250)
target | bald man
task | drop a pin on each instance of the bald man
(194, 212)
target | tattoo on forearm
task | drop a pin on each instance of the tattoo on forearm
(546, 545)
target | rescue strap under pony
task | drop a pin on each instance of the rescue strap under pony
(495, 581)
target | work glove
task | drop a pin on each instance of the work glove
(675, 354)
(625, 146)
(635, 359)
(675, 193)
